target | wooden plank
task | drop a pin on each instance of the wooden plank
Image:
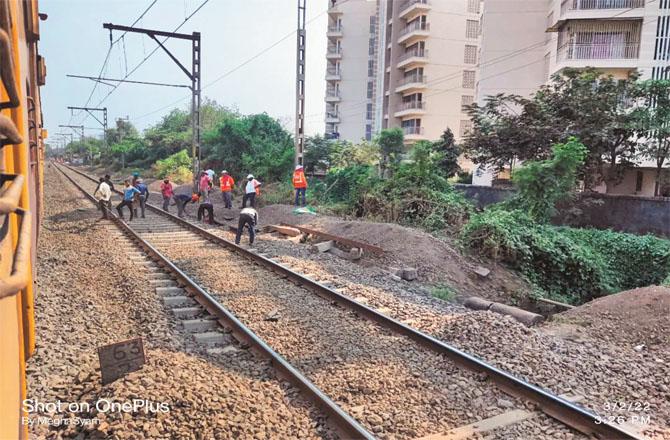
(490, 424)
(286, 230)
(346, 241)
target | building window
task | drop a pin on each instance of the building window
(467, 100)
(368, 112)
(473, 6)
(465, 128)
(373, 24)
(371, 48)
(368, 132)
(471, 29)
(470, 55)
(371, 68)
(468, 79)
(369, 89)
(639, 179)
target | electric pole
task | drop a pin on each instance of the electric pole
(90, 111)
(300, 85)
(193, 75)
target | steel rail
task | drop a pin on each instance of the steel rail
(340, 420)
(551, 404)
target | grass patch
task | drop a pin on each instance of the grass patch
(443, 292)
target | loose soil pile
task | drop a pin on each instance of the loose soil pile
(634, 317)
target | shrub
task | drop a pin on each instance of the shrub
(567, 264)
(176, 166)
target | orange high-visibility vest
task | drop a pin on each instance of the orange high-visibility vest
(227, 183)
(299, 180)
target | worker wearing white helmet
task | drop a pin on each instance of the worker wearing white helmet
(300, 185)
(227, 183)
(251, 190)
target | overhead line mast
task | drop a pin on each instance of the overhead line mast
(193, 75)
(300, 85)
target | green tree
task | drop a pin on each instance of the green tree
(542, 184)
(317, 152)
(450, 152)
(391, 145)
(652, 120)
(586, 104)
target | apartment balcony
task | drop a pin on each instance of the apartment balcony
(413, 134)
(412, 8)
(605, 56)
(415, 57)
(599, 9)
(333, 74)
(411, 83)
(333, 96)
(334, 53)
(410, 108)
(413, 32)
(335, 10)
(332, 118)
(334, 31)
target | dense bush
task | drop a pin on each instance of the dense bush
(176, 166)
(572, 265)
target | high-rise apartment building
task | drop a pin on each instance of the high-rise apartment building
(409, 64)
(524, 42)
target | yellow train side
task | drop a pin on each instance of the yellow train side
(21, 169)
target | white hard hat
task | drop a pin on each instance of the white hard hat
(250, 176)
(224, 172)
(297, 167)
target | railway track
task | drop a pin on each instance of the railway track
(387, 368)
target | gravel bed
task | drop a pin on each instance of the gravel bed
(394, 387)
(600, 369)
(91, 294)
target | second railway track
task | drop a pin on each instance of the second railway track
(396, 381)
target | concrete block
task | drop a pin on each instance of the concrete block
(165, 282)
(410, 274)
(481, 271)
(210, 338)
(186, 312)
(178, 301)
(324, 246)
(170, 291)
(199, 325)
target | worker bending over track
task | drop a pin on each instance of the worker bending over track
(248, 218)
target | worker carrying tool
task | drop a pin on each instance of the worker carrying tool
(181, 200)
(248, 218)
(300, 185)
(227, 183)
(129, 193)
(251, 189)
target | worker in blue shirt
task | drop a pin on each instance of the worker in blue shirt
(144, 194)
(129, 192)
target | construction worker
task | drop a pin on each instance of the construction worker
(129, 193)
(108, 180)
(167, 191)
(248, 218)
(206, 205)
(204, 184)
(300, 185)
(143, 195)
(181, 200)
(104, 196)
(226, 183)
(251, 190)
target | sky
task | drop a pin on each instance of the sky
(240, 68)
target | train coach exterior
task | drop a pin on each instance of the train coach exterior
(21, 166)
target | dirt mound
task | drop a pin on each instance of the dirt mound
(633, 317)
(437, 260)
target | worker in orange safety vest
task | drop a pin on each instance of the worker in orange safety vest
(300, 185)
(226, 183)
